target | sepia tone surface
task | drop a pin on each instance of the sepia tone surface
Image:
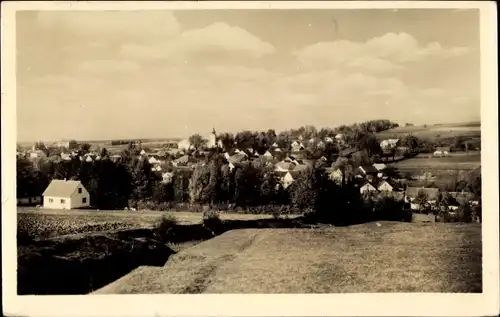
(266, 151)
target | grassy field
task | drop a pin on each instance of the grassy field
(467, 129)
(456, 161)
(393, 257)
(49, 223)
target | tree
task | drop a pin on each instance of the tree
(197, 141)
(199, 180)
(305, 190)
(104, 152)
(422, 199)
(227, 140)
(85, 148)
(464, 213)
(391, 172)
(72, 145)
(141, 179)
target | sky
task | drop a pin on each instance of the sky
(98, 75)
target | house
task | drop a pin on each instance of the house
(328, 139)
(339, 137)
(267, 155)
(379, 166)
(335, 175)
(389, 144)
(142, 152)
(284, 166)
(115, 157)
(65, 194)
(64, 144)
(288, 179)
(413, 192)
(384, 186)
(153, 160)
(277, 149)
(442, 151)
(297, 146)
(88, 159)
(367, 171)
(37, 154)
(274, 145)
(167, 177)
(367, 187)
(181, 161)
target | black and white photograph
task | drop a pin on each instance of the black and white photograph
(250, 150)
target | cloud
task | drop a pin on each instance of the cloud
(102, 24)
(380, 54)
(216, 39)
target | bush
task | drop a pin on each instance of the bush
(165, 227)
(212, 221)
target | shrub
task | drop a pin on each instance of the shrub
(165, 227)
(212, 221)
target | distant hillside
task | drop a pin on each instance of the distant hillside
(469, 130)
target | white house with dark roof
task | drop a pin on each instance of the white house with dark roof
(64, 194)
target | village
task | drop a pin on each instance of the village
(347, 163)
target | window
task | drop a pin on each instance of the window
(62, 201)
(51, 200)
(79, 190)
(84, 200)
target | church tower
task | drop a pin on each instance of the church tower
(212, 142)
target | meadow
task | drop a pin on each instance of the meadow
(451, 130)
(455, 161)
(372, 257)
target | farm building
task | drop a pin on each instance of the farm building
(27, 201)
(64, 194)
(442, 151)
(413, 192)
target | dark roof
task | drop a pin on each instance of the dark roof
(369, 169)
(61, 188)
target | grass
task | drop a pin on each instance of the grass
(395, 257)
(456, 161)
(50, 223)
(466, 129)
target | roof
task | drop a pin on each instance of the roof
(432, 193)
(443, 149)
(368, 169)
(61, 188)
(237, 158)
(182, 159)
(379, 166)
